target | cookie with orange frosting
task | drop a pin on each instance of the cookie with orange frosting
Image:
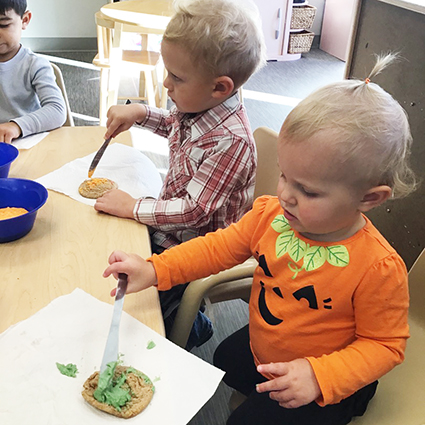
(95, 188)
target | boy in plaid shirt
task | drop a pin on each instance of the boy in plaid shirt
(210, 48)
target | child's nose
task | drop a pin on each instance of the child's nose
(167, 82)
(286, 194)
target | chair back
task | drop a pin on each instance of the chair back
(59, 81)
(267, 169)
(401, 393)
(417, 289)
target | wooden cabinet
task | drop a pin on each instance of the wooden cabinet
(276, 23)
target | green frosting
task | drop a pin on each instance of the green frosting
(110, 390)
(143, 376)
(68, 370)
(113, 390)
(151, 345)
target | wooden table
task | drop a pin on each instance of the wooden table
(152, 16)
(70, 242)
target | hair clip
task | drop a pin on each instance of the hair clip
(367, 80)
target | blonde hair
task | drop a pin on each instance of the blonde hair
(366, 125)
(222, 36)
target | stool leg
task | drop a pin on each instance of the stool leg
(103, 95)
(156, 88)
(144, 41)
(115, 58)
(113, 86)
(240, 91)
(150, 92)
(142, 84)
(164, 92)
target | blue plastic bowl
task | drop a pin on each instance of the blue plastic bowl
(20, 193)
(8, 153)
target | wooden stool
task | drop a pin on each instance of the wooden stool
(111, 58)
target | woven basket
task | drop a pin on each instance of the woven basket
(300, 42)
(303, 17)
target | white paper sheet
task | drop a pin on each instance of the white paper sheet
(73, 329)
(132, 170)
(29, 141)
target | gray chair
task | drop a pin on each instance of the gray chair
(59, 81)
(400, 396)
(236, 282)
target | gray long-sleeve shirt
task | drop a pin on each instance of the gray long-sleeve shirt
(29, 94)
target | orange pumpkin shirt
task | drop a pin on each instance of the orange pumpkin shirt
(342, 305)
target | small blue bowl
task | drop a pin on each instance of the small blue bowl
(20, 193)
(8, 153)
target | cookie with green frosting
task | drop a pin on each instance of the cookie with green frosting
(120, 390)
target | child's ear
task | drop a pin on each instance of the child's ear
(375, 197)
(26, 19)
(223, 87)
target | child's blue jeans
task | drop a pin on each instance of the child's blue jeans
(202, 329)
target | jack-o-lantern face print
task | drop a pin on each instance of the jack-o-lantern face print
(305, 293)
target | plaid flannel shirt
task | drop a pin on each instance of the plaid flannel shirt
(211, 176)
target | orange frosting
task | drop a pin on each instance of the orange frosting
(95, 182)
(10, 212)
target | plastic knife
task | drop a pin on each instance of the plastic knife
(97, 157)
(111, 350)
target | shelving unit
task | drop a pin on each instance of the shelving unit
(286, 30)
(276, 18)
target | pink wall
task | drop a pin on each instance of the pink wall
(338, 19)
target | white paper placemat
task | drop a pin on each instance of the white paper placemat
(132, 170)
(73, 329)
(29, 141)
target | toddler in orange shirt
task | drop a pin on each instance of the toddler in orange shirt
(329, 300)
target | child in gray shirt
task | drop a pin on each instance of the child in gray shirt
(30, 100)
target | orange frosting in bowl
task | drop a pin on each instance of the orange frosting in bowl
(10, 212)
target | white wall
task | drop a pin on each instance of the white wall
(317, 24)
(75, 18)
(62, 18)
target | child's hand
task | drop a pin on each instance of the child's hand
(116, 202)
(141, 274)
(295, 386)
(122, 117)
(9, 131)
